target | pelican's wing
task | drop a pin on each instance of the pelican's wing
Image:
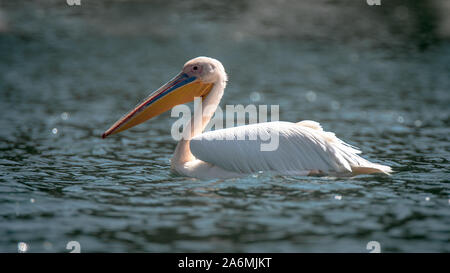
(302, 146)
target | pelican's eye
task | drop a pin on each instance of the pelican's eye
(195, 69)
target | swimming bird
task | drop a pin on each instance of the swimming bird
(304, 148)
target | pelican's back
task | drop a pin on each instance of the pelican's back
(301, 147)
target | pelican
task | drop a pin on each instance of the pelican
(304, 147)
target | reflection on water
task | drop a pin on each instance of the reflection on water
(67, 73)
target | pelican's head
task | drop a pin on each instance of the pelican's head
(195, 80)
(206, 69)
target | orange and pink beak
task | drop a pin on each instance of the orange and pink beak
(181, 89)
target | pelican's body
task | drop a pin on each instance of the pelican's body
(304, 148)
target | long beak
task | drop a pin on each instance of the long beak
(181, 89)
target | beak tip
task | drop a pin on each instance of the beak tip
(104, 135)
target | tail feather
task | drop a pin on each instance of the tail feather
(372, 168)
(348, 154)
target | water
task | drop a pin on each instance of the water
(67, 73)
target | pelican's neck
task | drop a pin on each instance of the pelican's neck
(196, 126)
(203, 112)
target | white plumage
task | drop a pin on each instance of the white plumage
(303, 148)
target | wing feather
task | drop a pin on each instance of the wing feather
(301, 147)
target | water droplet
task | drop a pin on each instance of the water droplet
(65, 116)
(22, 247)
(32, 200)
(400, 119)
(255, 96)
(418, 123)
(338, 197)
(311, 96)
(54, 131)
(427, 198)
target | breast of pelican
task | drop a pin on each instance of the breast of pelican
(304, 148)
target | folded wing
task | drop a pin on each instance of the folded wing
(302, 146)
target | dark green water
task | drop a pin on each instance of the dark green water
(67, 73)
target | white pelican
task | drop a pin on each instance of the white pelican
(304, 147)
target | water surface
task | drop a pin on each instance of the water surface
(67, 73)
